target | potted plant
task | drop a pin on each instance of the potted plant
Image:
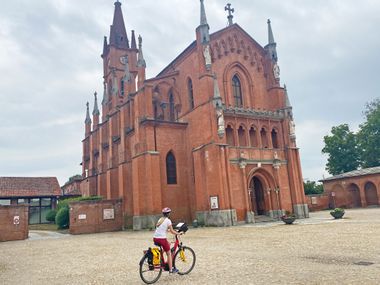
(337, 213)
(288, 218)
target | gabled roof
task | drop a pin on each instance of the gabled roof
(29, 187)
(355, 173)
(212, 36)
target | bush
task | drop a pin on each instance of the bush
(62, 219)
(50, 216)
(337, 213)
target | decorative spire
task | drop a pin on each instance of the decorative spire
(88, 119)
(105, 94)
(271, 46)
(105, 46)
(270, 34)
(118, 34)
(287, 101)
(204, 27)
(96, 109)
(133, 41)
(203, 14)
(140, 58)
(230, 11)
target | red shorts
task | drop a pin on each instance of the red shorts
(163, 242)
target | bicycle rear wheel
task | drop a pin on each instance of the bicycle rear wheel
(184, 260)
(148, 273)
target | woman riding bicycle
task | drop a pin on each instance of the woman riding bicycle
(164, 225)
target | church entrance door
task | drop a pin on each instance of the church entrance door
(257, 196)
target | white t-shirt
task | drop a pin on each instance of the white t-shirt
(162, 229)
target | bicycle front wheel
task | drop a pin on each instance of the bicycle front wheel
(149, 273)
(184, 260)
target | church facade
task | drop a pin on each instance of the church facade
(211, 136)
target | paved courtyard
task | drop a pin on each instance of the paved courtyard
(318, 250)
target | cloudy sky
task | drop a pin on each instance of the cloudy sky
(50, 66)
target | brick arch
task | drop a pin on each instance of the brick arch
(370, 192)
(353, 191)
(340, 199)
(264, 174)
(236, 68)
(260, 182)
(165, 86)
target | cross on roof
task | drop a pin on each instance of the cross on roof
(230, 11)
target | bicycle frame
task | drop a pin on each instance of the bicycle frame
(177, 245)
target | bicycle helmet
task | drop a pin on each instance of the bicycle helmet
(166, 210)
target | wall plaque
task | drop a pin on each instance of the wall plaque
(214, 202)
(16, 220)
(82, 217)
(108, 214)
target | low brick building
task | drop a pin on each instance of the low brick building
(358, 188)
(72, 187)
(40, 193)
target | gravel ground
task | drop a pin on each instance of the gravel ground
(318, 250)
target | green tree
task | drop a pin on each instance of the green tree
(311, 187)
(369, 135)
(342, 150)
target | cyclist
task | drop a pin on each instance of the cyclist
(164, 225)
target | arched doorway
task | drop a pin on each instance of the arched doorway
(257, 196)
(354, 196)
(370, 194)
(338, 197)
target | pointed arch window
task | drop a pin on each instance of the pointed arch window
(191, 93)
(171, 170)
(122, 87)
(274, 138)
(264, 138)
(236, 90)
(253, 137)
(230, 135)
(171, 107)
(241, 135)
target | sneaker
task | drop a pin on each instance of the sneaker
(174, 270)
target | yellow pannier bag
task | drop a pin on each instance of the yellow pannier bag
(156, 255)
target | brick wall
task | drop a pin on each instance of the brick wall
(96, 216)
(318, 202)
(14, 222)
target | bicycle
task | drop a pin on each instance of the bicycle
(183, 259)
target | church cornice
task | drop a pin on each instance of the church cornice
(254, 113)
(156, 122)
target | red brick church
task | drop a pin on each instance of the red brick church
(211, 136)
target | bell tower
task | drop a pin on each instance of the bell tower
(119, 64)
